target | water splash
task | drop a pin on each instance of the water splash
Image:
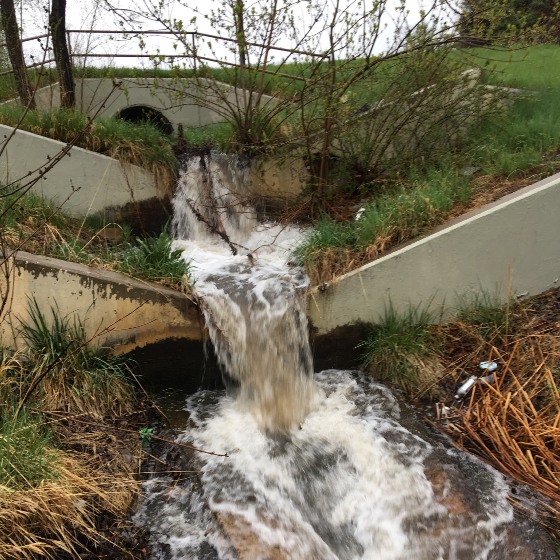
(353, 483)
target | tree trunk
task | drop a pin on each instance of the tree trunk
(57, 24)
(15, 52)
(238, 18)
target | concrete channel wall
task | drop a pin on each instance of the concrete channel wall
(118, 312)
(82, 182)
(508, 248)
(86, 183)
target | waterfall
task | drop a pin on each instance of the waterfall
(252, 302)
(328, 466)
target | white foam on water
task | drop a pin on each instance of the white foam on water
(349, 484)
(252, 302)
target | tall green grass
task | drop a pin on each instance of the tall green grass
(518, 140)
(153, 258)
(65, 371)
(402, 349)
(485, 312)
(26, 453)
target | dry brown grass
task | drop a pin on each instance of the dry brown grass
(329, 264)
(63, 473)
(514, 423)
(58, 516)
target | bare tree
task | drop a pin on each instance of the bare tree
(15, 52)
(57, 24)
(326, 81)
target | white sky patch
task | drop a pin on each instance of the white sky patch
(90, 14)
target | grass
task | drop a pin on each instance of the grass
(406, 349)
(484, 311)
(153, 258)
(533, 67)
(217, 135)
(56, 476)
(405, 211)
(402, 350)
(26, 454)
(136, 143)
(522, 141)
(39, 226)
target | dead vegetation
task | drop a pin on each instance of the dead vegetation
(510, 420)
(69, 448)
(514, 421)
(58, 516)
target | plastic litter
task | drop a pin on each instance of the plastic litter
(488, 367)
(466, 387)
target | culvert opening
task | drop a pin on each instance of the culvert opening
(144, 114)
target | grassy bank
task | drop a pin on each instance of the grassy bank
(32, 224)
(138, 144)
(510, 149)
(67, 466)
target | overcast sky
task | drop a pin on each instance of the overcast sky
(88, 14)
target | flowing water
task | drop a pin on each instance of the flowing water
(319, 466)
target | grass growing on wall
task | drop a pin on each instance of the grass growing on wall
(399, 214)
(38, 226)
(139, 144)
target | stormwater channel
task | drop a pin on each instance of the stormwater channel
(304, 465)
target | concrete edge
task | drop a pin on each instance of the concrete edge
(510, 246)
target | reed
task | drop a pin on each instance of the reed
(514, 422)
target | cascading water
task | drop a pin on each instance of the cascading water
(318, 467)
(251, 302)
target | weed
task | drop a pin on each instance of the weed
(154, 259)
(65, 373)
(146, 435)
(403, 349)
